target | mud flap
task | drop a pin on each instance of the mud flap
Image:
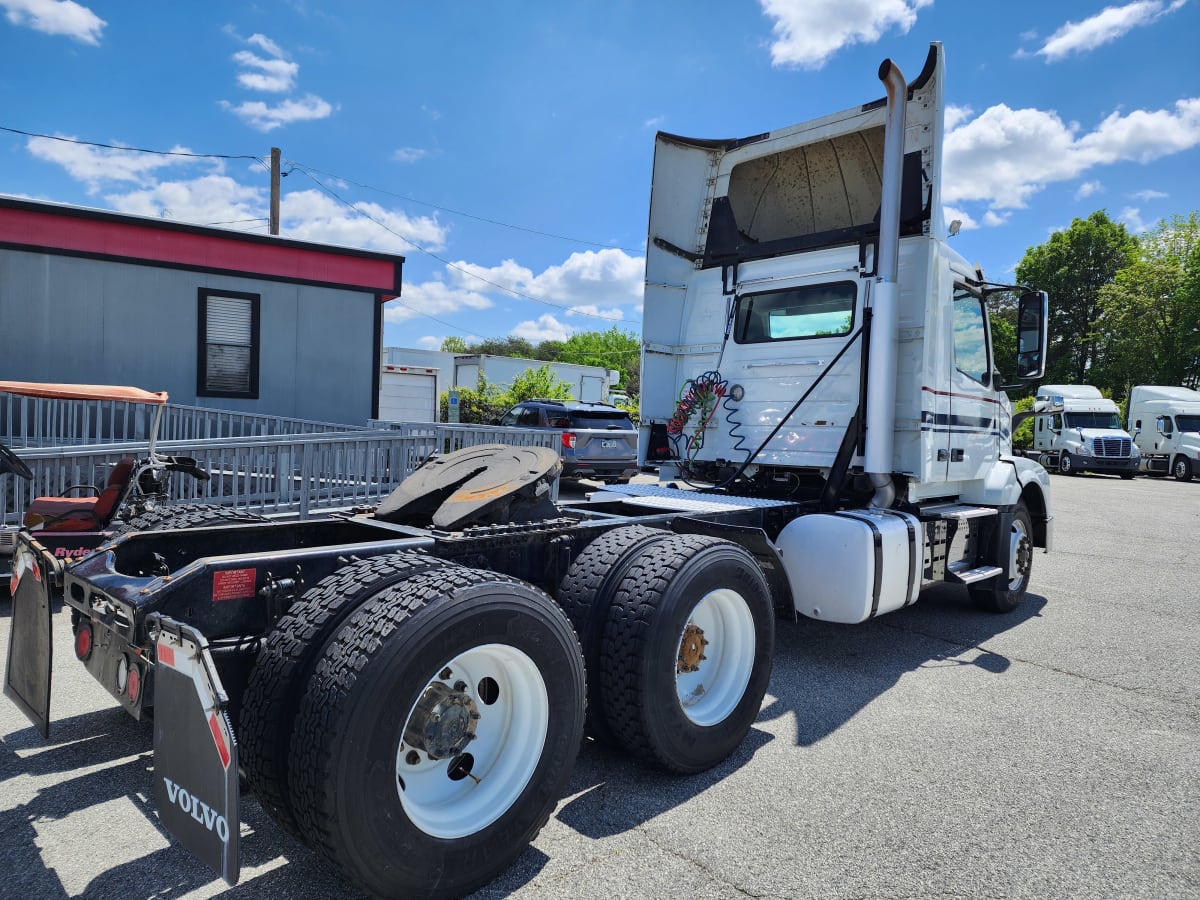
(30, 640)
(195, 757)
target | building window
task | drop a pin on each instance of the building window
(227, 363)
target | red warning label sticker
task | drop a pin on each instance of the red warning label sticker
(233, 584)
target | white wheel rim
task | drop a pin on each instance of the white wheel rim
(509, 736)
(710, 694)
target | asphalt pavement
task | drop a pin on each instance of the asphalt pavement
(934, 752)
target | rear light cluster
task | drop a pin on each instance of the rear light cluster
(568, 440)
(129, 673)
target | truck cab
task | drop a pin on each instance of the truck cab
(1086, 436)
(1165, 423)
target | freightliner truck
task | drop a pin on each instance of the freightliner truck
(1165, 423)
(404, 688)
(1085, 436)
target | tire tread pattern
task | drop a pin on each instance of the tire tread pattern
(312, 758)
(286, 660)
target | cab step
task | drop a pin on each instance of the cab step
(956, 511)
(971, 576)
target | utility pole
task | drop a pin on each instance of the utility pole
(274, 222)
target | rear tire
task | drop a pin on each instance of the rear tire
(286, 661)
(1014, 553)
(585, 596)
(387, 783)
(687, 652)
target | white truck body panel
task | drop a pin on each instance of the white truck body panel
(1164, 422)
(589, 384)
(1101, 446)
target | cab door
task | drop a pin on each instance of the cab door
(973, 423)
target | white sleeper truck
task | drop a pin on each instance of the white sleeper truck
(1086, 436)
(405, 689)
(1165, 424)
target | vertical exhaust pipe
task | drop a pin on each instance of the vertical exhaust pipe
(885, 315)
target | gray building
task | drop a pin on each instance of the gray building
(217, 318)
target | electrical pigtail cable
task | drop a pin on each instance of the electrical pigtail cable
(783, 420)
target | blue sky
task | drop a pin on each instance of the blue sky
(504, 148)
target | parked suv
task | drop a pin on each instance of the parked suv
(598, 440)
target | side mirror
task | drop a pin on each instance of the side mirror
(1032, 314)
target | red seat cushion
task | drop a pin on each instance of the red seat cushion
(42, 509)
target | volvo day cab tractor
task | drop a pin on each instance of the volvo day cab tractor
(1165, 423)
(1086, 436)
(404, 688)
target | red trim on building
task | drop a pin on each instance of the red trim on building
(107, 235)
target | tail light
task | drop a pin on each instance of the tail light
(83, 640)
(568, 440)
(134, 689)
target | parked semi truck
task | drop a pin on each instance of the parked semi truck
(1086, 436)
(1165, 424)
(404, 689)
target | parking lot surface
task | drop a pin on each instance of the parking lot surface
(936, 751)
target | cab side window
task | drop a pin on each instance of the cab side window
(529, 417)
(509, 418)
(970, 336)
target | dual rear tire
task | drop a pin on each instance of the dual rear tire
(425, 728)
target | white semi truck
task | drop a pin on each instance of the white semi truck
(1086, 436)
(1165, 424)
(404, 689)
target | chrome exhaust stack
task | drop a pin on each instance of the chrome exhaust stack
(885, 315)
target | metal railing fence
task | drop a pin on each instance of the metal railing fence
(294, 475)
(50, 422)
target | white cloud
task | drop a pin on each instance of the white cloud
(93, 165)
(207, 200)
(585, 280)
(949, 214)
(1106, 26)
(265, 44)
(1004, 156)
(991, 218)
(56, 17)
(260, 116)
(1132, 217)
(272, 75)
(1087, 189)
(429, 342)
(435, 298)
(956, 115)
(656, 122)
(809, 32)
(313, 216)
(592, 309)
(1148, 195)
(409, 154)
(544, 328)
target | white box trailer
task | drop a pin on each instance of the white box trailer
(1165, 423)
(408, 394)
(1086, 436)
(589, 384)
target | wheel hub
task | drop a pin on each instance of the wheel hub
(691, 649)
(443, 722)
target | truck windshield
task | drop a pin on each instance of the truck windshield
(1093, 420)
(1188, 423)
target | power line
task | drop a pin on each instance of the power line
(459, 212)
(54, 137)
(446, 262)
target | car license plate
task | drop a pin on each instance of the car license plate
(608, 443)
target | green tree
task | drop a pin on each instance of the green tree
(612, 349)
(1151, 310)
(1073, 266)
(505, 346)
(539, 383)
(454, 344)
(479, 406)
